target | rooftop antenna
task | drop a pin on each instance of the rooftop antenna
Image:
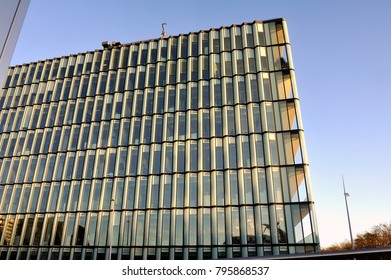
(164, 31)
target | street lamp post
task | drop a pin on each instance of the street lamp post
(347, 212)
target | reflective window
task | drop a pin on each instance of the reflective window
(167, 192)
(44, 198)
(166, 225)
(64, 195)
(95, 193)
(92, 229)
(154, 192)
(234, 187)
(85, 195)
(193, 227)
(182, 135)
(130, 190)
(179, 227)
(180, 191)
(104, 223)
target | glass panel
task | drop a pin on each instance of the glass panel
(206, 154)
(230, 121)
(128, 228)
(179, 228)
(144, 160)
(16, 197)
(206, 191)
(69, 229)
(34, 198)
(167, 192)
(234, 187)
(220, 188)
(236, 236)
(119, 189)
(166, 226)
(140, 228)
(62, 202)
(156, 159)
(168, 157)
(92, 229)
(207, 227)
(248, 187)
(53, 197)
(154, 192)
(180, 190)
(18, 232)
(193, 190)
(103, 229)
(193, 125)
(142, 193)
(23, 204)
(80, 164)
(28, 230)
(89, 165)
(232, 152)
(246, 160)
(250, 225)
(74, 196)
(193, 227)
(44, 197)
(193, 156)
(221, 224)
(80, 229)
(180, 157)
(48, 231)
(281, 228)
(131, 186)
(85, 195)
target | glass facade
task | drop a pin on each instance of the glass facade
(12, 15)
(182, 147)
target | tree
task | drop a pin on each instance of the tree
(342, 246)
(378, 237)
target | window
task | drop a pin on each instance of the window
(180, 190)
(193, 185)
(168, 157)
(193, 125)
(158, 128)
(180, 157)
(218, 154)
(167, 192)
(133, 156)
(145, 160)
(181, 123)
(154, 192)
(85, 195)
(206, 154)
(193, 156)
(193, 96)
(63, 199)
(156, 159)
(103, 229)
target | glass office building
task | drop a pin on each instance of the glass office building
(181, 147)
(12, 13)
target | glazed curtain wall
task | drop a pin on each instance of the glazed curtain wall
(181, 147)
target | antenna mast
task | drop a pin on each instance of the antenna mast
(163, 30)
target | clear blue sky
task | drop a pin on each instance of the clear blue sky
(341, 53)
